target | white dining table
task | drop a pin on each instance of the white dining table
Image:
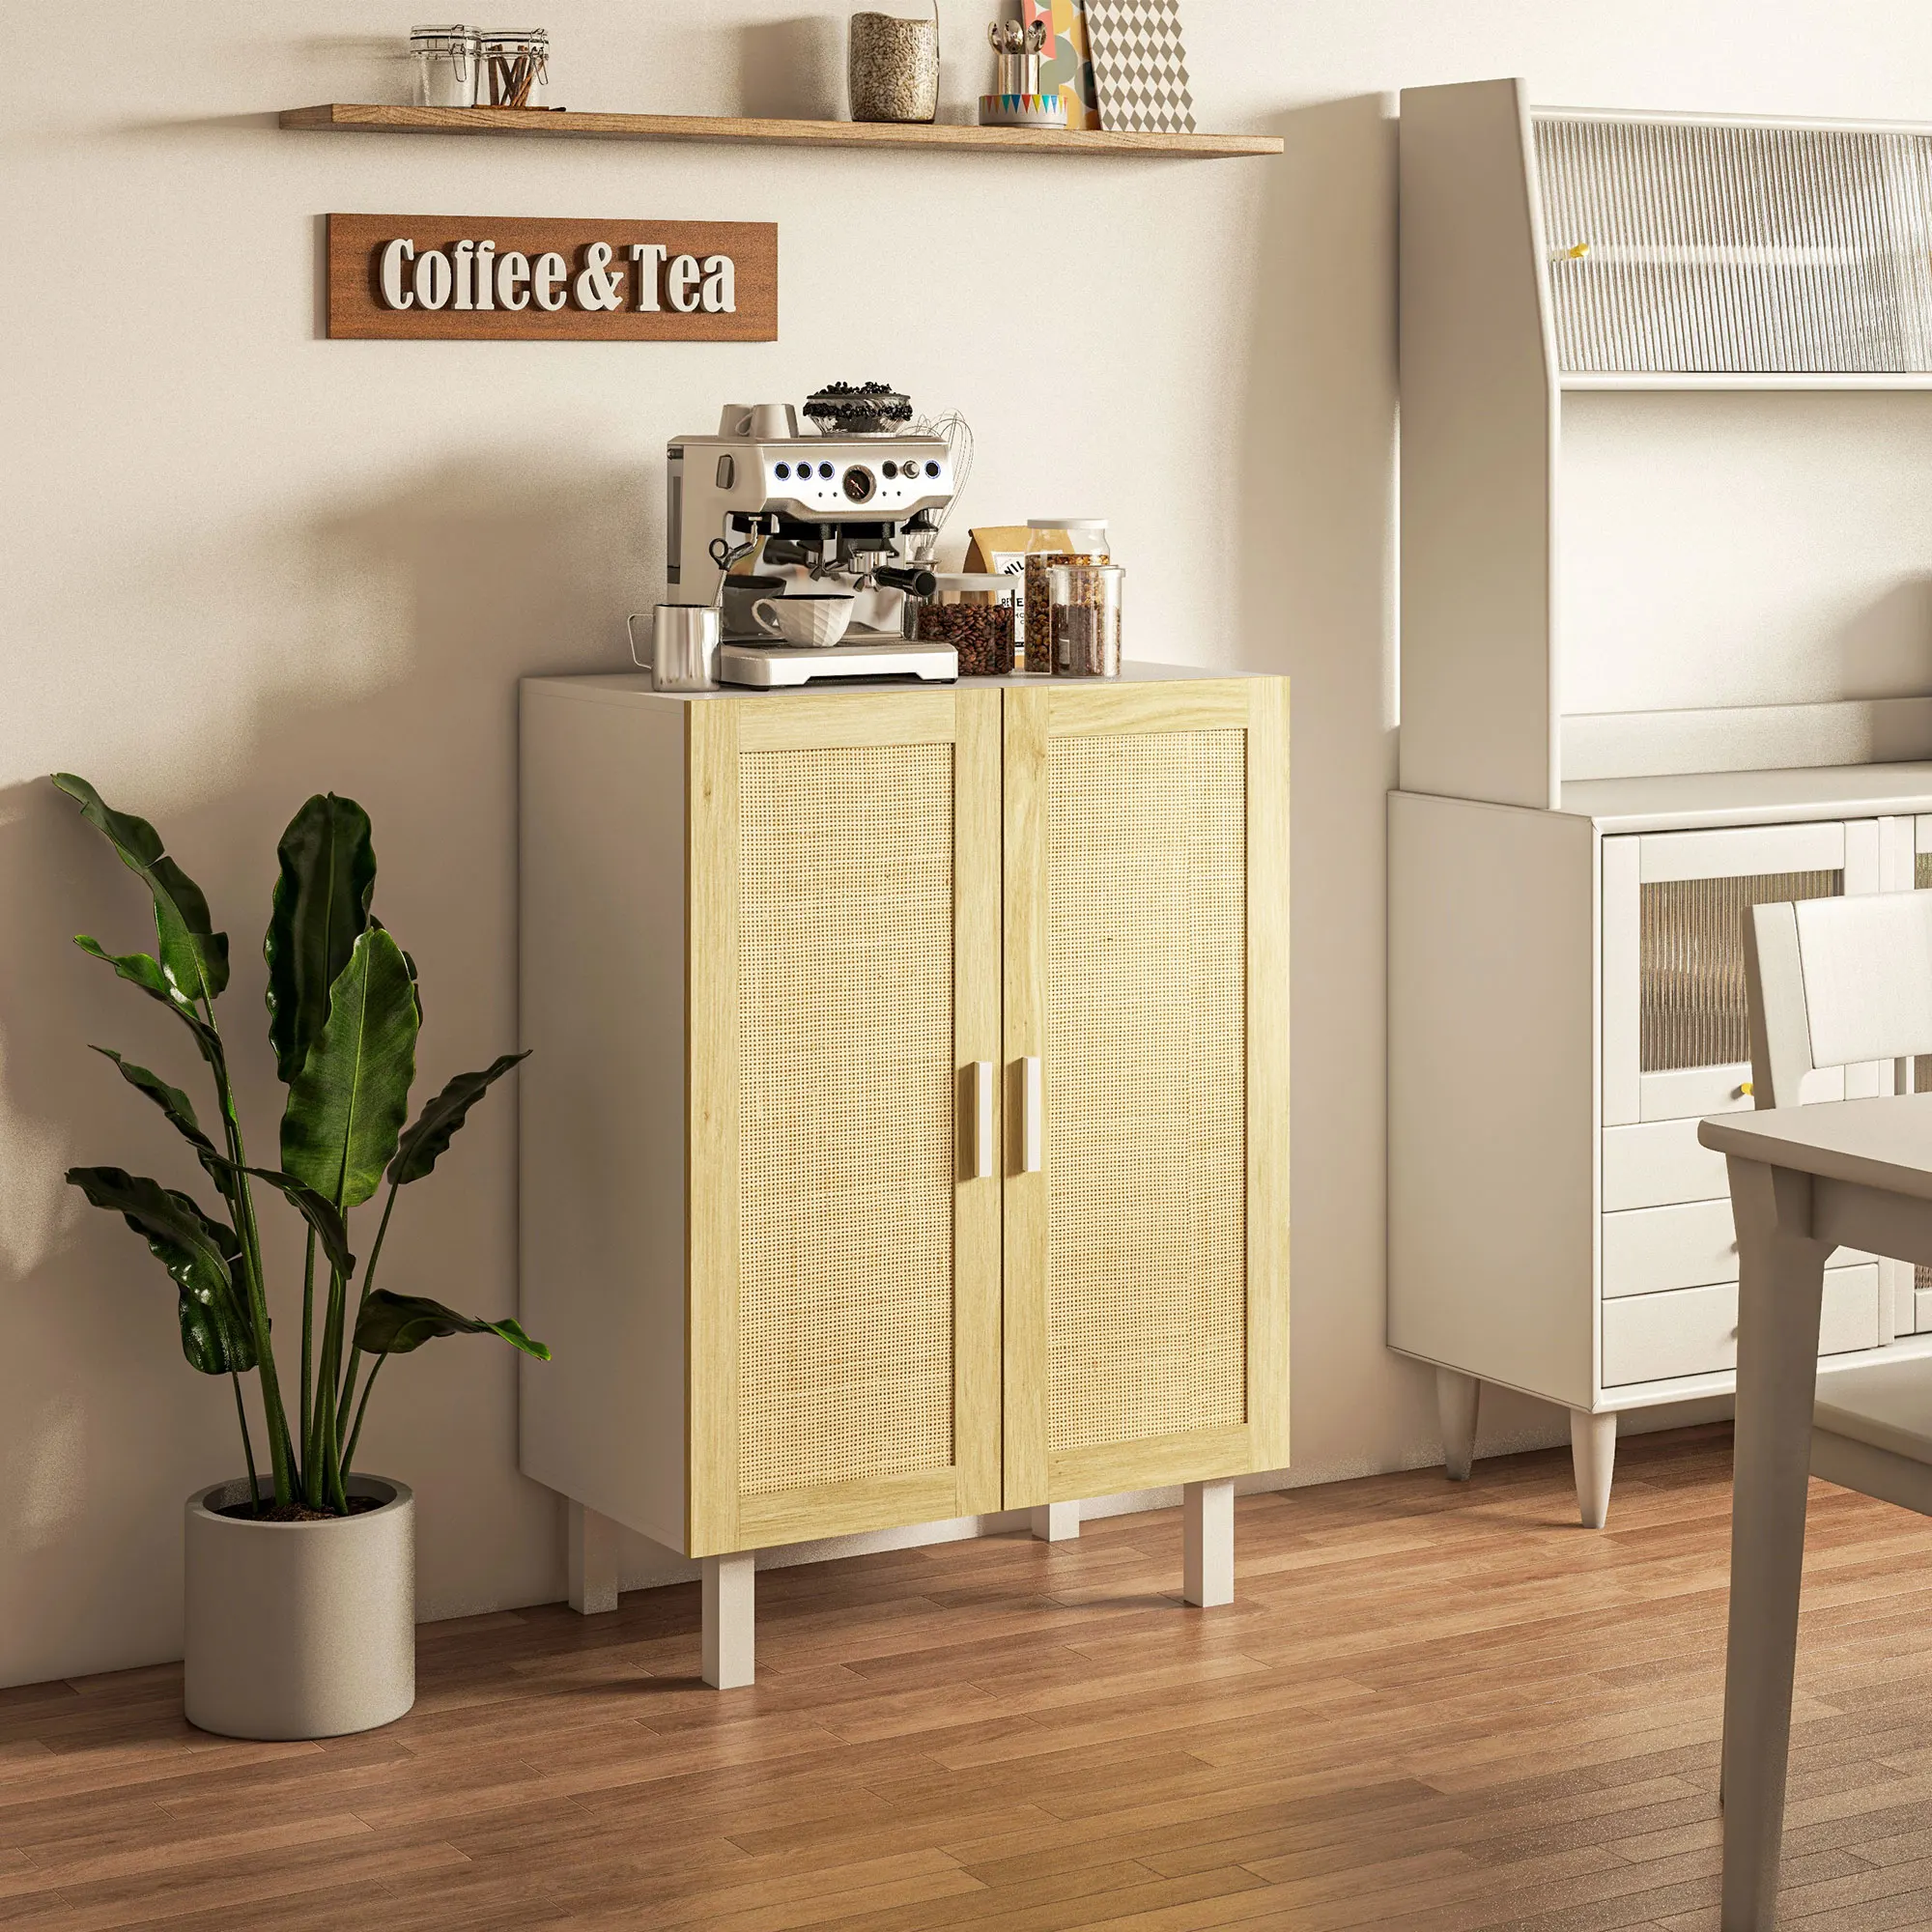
(1805, 1181)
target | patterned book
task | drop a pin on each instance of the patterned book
(1065, 66)
(1139, 65)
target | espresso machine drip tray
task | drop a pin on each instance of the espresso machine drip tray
(772, 667)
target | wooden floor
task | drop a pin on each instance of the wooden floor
(1429, 1706)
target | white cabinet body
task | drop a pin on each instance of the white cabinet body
(1565, 1002)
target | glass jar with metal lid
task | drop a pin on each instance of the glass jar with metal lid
(447, 62)
(516, 66)
(1086, 543)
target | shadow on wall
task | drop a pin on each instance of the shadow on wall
(793, 69)
(1891, 629)
(1319, 601)
(421, 609)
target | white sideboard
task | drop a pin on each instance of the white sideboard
(1663, 656)
(1562, 1010)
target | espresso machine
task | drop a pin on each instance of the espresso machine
(853, 508)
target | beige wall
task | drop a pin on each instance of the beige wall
(242, 563)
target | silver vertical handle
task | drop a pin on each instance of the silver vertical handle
(983, 1120)
(1030, 1115)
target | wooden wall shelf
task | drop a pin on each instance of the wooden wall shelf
(359, 117)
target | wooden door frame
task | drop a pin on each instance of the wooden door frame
(1033, 714)
(718, 1518)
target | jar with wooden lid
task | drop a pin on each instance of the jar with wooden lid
(1085, 542)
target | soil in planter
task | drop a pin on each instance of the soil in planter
(297, 1512)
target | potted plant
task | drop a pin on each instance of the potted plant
(301, 1587)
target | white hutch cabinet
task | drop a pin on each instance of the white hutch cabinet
(1567, 886)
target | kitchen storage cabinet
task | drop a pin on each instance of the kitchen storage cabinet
(1565, 1001)
(1596, 779)
(904, 1136)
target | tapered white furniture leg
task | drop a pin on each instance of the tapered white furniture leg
(1056, 1522)
(1208, 1540)
(1457, 1396)
(593, 1561)
(1780, 1284)
(728, 1633)
(1593, 1458)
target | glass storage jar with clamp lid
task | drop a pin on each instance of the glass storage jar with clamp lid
(516, 65)
(448, 61)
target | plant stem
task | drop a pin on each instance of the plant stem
(356, 1434)
(248, 1447)
(280, 1450)
(362, 1302)
(325, 1442)
(308, 1334)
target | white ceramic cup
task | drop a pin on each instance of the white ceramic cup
(819, 617)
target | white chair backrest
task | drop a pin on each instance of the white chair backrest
(1834, 983)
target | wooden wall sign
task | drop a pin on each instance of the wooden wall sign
(471, 277)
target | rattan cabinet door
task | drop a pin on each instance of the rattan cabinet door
(843, 982)
(1146, 1085)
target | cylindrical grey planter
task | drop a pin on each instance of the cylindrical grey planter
(300, 1630)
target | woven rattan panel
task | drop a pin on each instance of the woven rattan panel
(1685, 247)
(845, 1114)
(1693, 963)
(1146, 1091)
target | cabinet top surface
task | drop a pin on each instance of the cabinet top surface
(624, 686)
(1749, 798)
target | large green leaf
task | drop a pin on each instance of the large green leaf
(346, 1105)
(320, 1213)
(321, 909)
(197, 1251)
(193, 956)
(418, 1150)
(171, 1100)
(180, 1110)
(392, 1324)
(139, 969)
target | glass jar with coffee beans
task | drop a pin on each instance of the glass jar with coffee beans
(1085, 542)
(974, 613)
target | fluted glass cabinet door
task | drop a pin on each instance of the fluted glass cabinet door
(844, 995)
(1147, 1103)
(1675, 1044)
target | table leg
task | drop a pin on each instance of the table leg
(1782, 1273)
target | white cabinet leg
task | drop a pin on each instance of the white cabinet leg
(593, 1561)
(1457, 1396)
(729, 1635)
(1207, 1536)
(1056, 1522)
(1593, 1456)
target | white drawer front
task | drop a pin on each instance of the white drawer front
(1650, 1250)
(1693, 1331)
(1659, 1165)
(1697, 1090)
(1647, 1250)
(1739, 850)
